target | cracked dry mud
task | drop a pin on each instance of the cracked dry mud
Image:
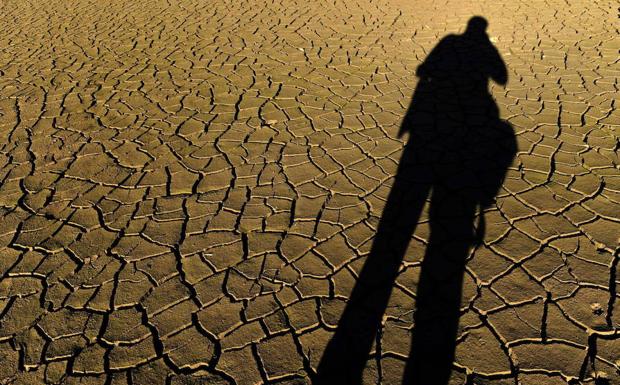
(188, 189)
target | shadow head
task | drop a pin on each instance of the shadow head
(477, 26)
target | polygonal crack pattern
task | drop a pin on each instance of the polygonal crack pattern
(189, 189)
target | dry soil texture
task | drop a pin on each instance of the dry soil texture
(188, 189)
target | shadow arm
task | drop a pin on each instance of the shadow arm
(499, 73)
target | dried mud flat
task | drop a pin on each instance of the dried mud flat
(189, 189)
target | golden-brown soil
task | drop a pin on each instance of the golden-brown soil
(189, 189)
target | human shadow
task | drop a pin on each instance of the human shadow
(457, 155)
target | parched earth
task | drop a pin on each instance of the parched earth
(188, 189)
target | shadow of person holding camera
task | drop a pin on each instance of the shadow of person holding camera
(457, 155)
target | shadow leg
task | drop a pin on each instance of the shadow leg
(346, 354)
(439, 291)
